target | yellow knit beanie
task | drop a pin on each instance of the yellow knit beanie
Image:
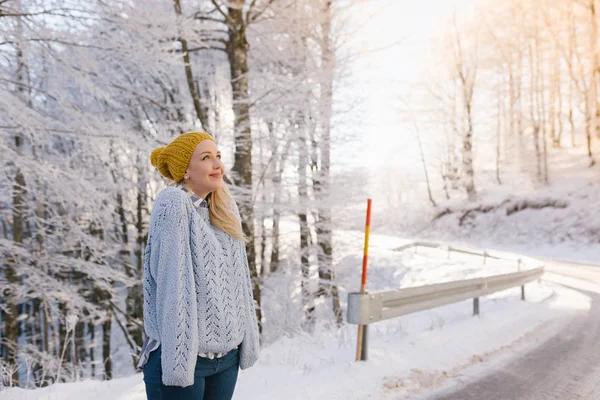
(173, 159)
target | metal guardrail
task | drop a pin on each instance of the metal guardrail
(494, 255)
(364, 309)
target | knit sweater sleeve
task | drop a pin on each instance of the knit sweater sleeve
(250, 344)
(176, 308)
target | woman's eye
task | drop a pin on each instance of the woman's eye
(219, 156)
(205, 158)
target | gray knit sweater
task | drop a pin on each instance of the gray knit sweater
(197, 289)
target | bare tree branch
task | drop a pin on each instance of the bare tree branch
(223, 13)
(249, 19)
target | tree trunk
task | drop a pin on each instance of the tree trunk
(532, 114)
(281, 157)
(81, 351)
(499, 133)
(556, 101)
(263, 244)
(237, 51)
(274, 262)
(307, 297)
(92, 330)
(46, 326)
(572, 39)
(559, 114)
(322, 183)
(37, 335)
(40, 309)
(106, 356)
(552, 120)
(12, 333)
(520, 107)
(207, 104)
(542, 110)
(124, 252)
(466, 75)
(27, 328)
(596, 69)
(468, 156)
(264, 271)
(12, 308)
(135, 301)
(62, 338)
(589, 129)
(189, 75)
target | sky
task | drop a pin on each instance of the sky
(405, 32)
(395, 41)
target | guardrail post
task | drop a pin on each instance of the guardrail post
(523, 292)
(365, 344)
(476, 306)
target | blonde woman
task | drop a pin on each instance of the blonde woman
(199, 315)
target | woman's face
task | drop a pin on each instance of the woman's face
(204, 173)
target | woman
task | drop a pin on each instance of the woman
(199, 314)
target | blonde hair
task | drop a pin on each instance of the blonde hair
(223, 211)
(224, 214)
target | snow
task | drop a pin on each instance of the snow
(408, 356)
(559, 233)
(415, 355)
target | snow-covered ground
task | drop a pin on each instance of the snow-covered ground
(412, 356)
(408, 356)
(567, 228)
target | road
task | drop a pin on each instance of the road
(566, 367)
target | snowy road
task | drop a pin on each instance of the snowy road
(566, 367)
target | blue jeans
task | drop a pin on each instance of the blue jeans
(213, 379)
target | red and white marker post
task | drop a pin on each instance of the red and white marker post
(362, 329)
